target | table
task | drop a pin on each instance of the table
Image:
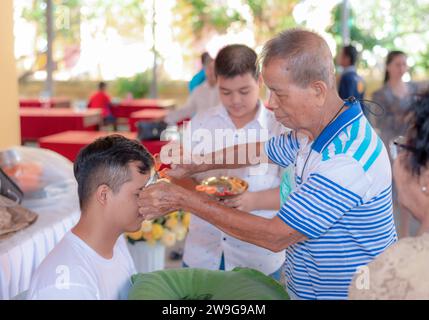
(55, 102)
(146, 115)
(21, 254)
(37, 122)
(126, 107)
(69, 143)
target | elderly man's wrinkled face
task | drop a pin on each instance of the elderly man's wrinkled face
(295, 107)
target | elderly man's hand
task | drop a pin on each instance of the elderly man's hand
(181, 164)
(159, 199)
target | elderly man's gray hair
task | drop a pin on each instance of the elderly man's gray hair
(306, 54)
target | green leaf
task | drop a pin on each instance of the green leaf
(201, 284)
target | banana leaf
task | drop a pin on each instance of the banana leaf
(202, 284)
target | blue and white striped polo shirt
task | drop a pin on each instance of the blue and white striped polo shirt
(342, 204)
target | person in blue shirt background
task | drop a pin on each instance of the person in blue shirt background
(351, 84)
(200, 76)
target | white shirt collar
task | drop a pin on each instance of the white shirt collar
(261, 116)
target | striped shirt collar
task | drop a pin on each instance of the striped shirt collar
(352, 113)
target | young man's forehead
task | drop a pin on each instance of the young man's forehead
(238, 81)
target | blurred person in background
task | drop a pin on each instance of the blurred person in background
(203, 97)
(101, 100)
(351, 84)
(394, 97)
(200, 76)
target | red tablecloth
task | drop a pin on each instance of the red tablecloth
(37, 122)
(125, 108)
(55, 102)
(69, 143)
(146, 115)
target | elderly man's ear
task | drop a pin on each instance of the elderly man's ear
(319, 92)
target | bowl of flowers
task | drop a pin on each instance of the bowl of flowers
(223, 187)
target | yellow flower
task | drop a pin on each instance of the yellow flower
(180, 231)
(171, 222)
(135, 235)
(148, 236)
(157, 231)
(146, 226)
(174, 214)
(168, 238)
(186, 219)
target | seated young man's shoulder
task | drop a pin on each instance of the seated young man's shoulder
(62, 274)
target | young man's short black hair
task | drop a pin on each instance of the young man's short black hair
(106, 161)
(236, 60)
(352, 53)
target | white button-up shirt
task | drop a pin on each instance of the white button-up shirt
(205, 243)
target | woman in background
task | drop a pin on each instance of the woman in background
(394, 97)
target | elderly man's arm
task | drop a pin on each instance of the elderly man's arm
(280, 150)
(273, 234)
(237, 156)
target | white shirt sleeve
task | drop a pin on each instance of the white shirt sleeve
(186, 111)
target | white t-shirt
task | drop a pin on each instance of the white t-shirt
(73, 270)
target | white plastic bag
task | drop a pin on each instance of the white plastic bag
(44, 176)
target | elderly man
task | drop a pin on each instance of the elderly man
(340, 215)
